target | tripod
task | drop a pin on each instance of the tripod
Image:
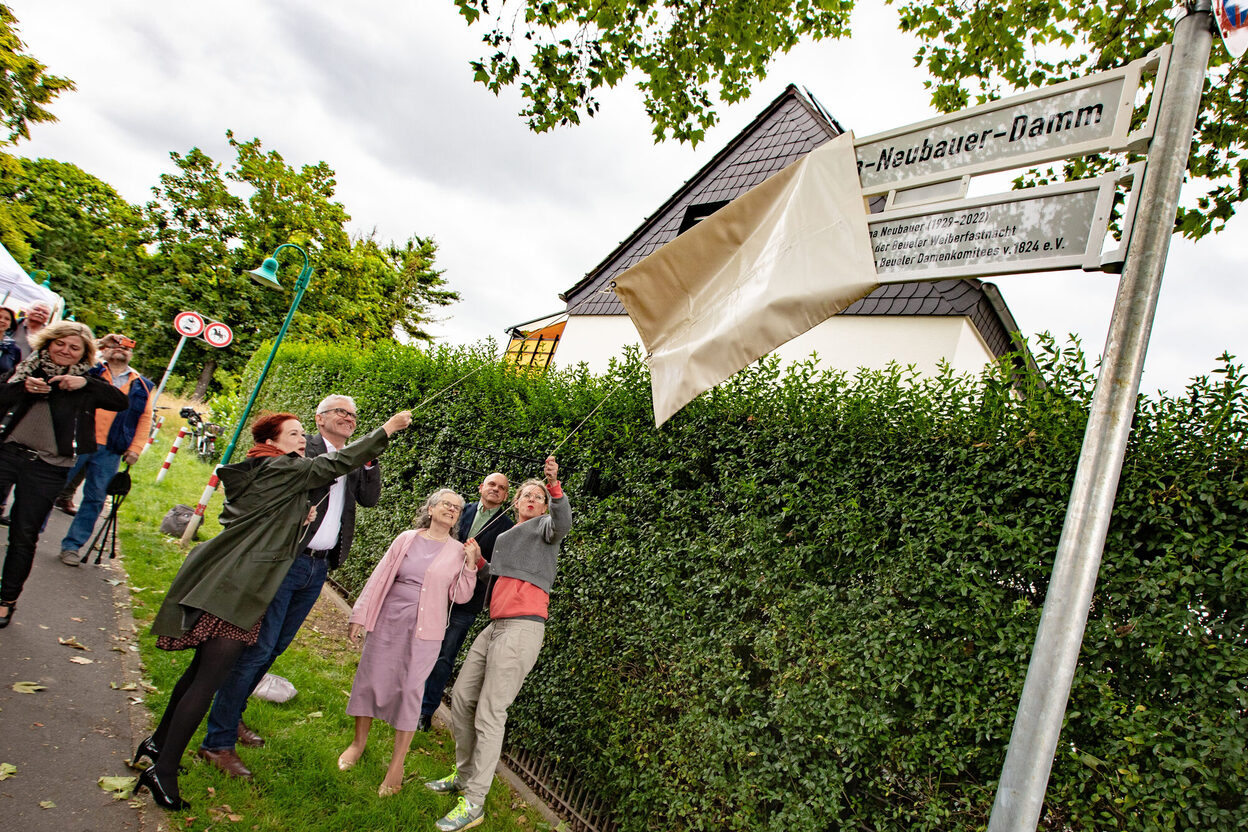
(117, 490)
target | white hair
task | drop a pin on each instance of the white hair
(333, 397)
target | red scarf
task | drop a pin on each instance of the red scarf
(264, 449)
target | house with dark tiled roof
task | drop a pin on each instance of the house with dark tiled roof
(963, 322)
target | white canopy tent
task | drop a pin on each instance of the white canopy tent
(17, 289)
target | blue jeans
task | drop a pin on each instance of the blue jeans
(456, 632)
(294, 600)
(101, 468)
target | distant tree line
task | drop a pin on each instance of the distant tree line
(132, 268)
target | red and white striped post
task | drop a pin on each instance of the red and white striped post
(157, 423)
(213, 482)
(177, 443)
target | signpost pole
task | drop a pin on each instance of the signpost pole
(1038, 722)
(160, 388)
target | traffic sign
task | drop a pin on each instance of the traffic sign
(1232, 17)
(218, 334)
(188, 324)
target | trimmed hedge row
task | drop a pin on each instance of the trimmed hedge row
(808, 601)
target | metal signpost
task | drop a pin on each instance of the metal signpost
(918, 175)
(191, 325)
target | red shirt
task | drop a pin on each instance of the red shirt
(513, 598)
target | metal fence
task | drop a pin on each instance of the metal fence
(572, 801)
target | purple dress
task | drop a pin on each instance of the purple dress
(390, 681)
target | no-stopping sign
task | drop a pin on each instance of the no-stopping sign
(218, 334)
(189, 324)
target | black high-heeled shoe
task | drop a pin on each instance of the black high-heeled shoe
(147, 749)
(159, 793)
(7, 617)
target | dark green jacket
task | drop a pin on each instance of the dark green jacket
(235, 575)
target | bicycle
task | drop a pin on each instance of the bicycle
(203, 433)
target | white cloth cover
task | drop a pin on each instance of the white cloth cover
(776, 261)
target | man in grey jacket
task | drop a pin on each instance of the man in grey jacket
(326, 544)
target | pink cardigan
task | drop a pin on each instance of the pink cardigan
(447, 579)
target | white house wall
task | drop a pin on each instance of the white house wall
(846, 342)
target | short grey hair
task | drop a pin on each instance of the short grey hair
(333, 397)
(422, 519)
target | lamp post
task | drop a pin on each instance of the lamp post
(266, 275)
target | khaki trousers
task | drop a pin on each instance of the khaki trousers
(497, 663)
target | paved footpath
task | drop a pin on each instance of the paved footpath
(85, 724)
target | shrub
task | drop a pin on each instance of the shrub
(808, 601)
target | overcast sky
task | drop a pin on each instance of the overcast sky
(381, 91)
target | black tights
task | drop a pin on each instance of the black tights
(214, 659)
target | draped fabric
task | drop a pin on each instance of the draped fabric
(779, 259)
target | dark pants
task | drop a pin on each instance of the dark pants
(35, 485)
(282, 620)
(456, 632)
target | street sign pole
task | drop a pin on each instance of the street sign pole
(165, 378)
(1038, 722)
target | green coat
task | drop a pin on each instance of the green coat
(235, 575)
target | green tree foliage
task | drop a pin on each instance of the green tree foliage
(90, 240)
(978, 52)
(212, 226)
(807, 602)
(680, 47)
(25, 87)
(687, 55)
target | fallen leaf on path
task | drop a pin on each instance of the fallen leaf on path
(138, 589)
(121, 787)
(72, 641)
(7, 770)
(126, 686)
(112, 581)
(44, 627)
(81, 660)
(118, 648)
(47, 804)
(79, 620)
(28, 687)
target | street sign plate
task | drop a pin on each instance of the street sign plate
(218, 334)
(1232, 17)
(1062, 121)
(1037, 229)
(189, 324)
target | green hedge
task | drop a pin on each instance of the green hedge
(808, 601)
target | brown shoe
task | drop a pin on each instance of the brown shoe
(66, 506)
(227, 761)
(248, 737)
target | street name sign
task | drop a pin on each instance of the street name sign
(1062, 121)
(1052, 227)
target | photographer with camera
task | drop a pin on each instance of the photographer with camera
(119, 437)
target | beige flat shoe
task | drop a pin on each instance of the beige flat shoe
(345, 764)
(389, 791)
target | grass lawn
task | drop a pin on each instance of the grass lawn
(297, 784)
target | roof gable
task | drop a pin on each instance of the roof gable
(789, 128)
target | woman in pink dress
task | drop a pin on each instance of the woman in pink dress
(405, 607)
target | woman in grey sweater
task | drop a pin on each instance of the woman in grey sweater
(523, 569)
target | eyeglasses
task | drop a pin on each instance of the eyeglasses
(455, 507)
(346, 414)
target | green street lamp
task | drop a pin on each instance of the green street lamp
(266, 275)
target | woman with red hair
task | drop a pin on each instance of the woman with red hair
(219, 596)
